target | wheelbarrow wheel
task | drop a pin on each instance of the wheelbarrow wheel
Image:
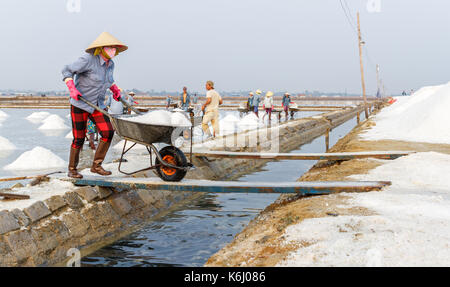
(174, 156)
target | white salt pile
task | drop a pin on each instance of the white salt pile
(230, 118)
(5, 144)
(422, 117)
(3, 114)
(250, 122)
(179, 119)
(37, 117)
(229, 125)
(3, 117)
(38, 192)
(410, 225)
(53, 122)
(161, 118)
(38, 158)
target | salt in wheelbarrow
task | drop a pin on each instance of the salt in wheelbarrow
(170, 162)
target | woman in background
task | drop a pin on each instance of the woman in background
(268, 104)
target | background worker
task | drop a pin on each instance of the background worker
(285, 103)
(168, 101)
(211, 110)
(131, 101)
(115, 107)
(185, 100)
(256, 101)
(250, 102)
(194, 99)
(90, 76)
(91, 132)
(268, 104)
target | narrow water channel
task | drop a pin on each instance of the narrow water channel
(190, 235)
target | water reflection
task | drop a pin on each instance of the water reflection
(185, 237)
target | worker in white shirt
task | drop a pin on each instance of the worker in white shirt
(211, 110)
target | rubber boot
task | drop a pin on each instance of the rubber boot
(73, 163)
(91, 141)
(99, 156)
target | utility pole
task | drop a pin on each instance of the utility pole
(378, 76)
(360, 42)
(378, 81)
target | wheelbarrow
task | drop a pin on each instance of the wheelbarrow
(170, 162)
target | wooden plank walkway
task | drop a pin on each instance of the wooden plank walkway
(304, 188)
(303, 156)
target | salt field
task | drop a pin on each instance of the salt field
(22, 130)
(216, 217)
(189, 235)
(25, 135)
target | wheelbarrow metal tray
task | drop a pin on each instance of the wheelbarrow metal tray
(141, 132)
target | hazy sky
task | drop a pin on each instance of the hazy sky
(281, 45)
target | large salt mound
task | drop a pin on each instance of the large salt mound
(37, 117)
(161, 118)
(5, 144)
(231, 118)
(38, 158)
(249, 122)
(229, 125)
(3, 117)
(180, 120)
(422, 117)
(53, 122)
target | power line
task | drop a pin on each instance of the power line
(348, 14)
(348, 18)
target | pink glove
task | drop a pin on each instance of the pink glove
(74, 93)
(116, 92)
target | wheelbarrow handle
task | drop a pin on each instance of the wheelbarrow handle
(103, 111)
(94, 106)
(129, 106)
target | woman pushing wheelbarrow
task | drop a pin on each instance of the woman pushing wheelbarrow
(89, 77)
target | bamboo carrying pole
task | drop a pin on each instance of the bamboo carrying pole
(360, 42)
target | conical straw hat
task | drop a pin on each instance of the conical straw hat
(105, 39)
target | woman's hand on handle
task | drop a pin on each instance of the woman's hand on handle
(74, 93)
(116, 92)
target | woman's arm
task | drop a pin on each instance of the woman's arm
(79, 66)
